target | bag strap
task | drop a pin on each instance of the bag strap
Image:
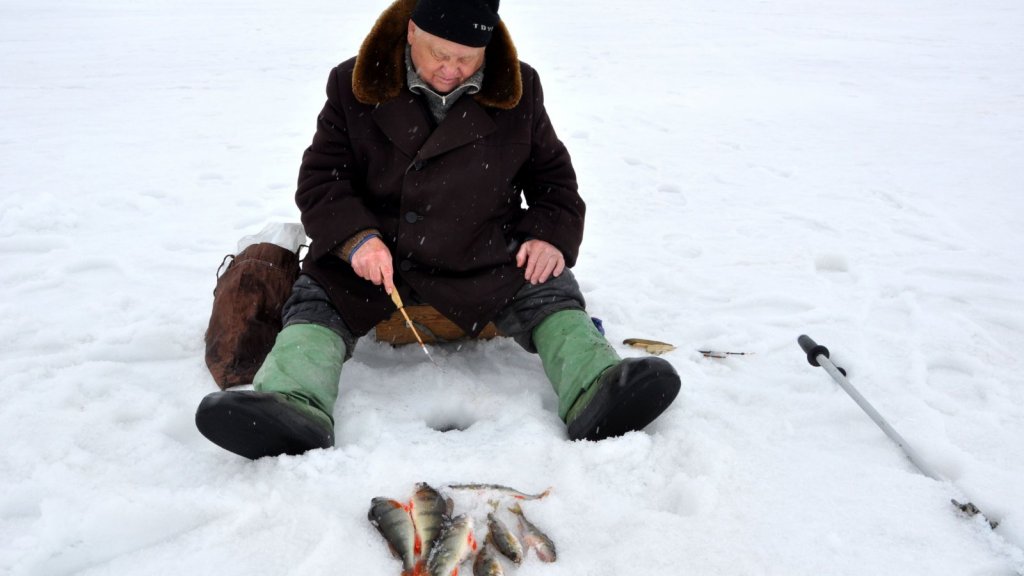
(229, 259)
(223, 262)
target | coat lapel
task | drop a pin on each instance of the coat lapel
(403, 120)
(466, 122)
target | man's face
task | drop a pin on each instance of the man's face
(441, 63)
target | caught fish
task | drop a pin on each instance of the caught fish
(533, 537)
(499, 488)
(503, 539)
(452, 547)
(429, 510)
(652, 346)
(394, 523)
(486, 563)
(721, 354)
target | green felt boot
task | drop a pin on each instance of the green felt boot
(600, 395)
(289, 411)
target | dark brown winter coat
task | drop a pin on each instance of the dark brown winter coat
(447, 199)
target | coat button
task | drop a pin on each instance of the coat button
(405, 265)
(412, 217)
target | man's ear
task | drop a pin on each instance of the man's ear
(412, 30)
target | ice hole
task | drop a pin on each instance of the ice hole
(451, 418)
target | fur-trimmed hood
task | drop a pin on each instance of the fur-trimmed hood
(379, 73)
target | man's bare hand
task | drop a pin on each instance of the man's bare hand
(372, 261)
(542, 261)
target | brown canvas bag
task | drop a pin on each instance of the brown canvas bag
(246, 315)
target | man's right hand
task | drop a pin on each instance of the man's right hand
(372, 261)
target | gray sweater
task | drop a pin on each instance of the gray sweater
(439, 104)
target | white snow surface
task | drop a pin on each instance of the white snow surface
(753, 171)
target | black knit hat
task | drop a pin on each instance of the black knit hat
(466, 22)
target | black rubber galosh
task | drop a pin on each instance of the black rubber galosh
(631, 395)
(258, 424)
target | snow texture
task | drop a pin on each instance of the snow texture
(753, 170)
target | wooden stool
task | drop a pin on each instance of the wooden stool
(432, 325)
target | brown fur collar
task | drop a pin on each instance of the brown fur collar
(379, 73)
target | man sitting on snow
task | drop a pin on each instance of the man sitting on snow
(429, 139)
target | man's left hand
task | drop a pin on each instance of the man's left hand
(542, 261)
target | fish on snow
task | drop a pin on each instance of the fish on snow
(429, 511)
(393, 521)
(503, 539)
(533, 537)
(452, 547)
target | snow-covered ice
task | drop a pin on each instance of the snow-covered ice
(753, 171)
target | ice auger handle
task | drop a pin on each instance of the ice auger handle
(812, 348)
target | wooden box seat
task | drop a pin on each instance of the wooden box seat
(432, 325)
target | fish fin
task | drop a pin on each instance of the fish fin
(417, 544)
(420, 569)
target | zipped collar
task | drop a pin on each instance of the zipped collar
(439, 103)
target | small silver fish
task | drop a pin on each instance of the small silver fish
(499, 488)
(429, 510)
(452, 547)
(487, 563)
(503, 539)
(533, 537)
(394, 523)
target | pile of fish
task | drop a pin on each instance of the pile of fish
(430, 541)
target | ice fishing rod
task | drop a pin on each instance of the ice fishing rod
(818, 355)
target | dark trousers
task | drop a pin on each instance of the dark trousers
(309, 304)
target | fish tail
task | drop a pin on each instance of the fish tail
(521, 496)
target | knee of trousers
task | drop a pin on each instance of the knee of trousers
(310, 304)
(534, 303)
